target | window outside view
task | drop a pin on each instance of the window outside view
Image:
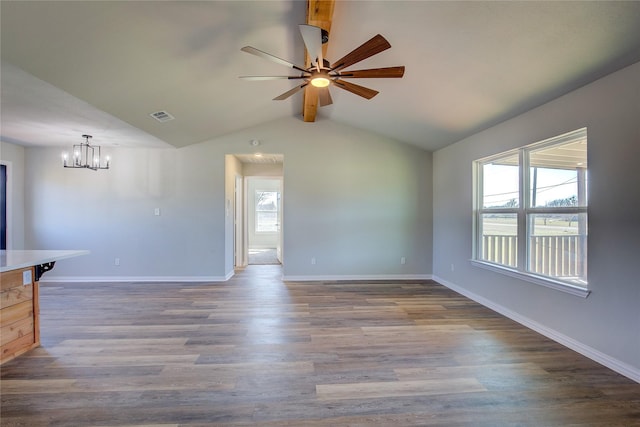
(553, 219)
(267, 211)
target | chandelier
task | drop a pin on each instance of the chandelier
(85, 156)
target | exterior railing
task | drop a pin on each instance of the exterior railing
(500, 249)
(554, 256)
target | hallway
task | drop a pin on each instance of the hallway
(263, 256)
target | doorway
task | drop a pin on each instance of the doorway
(3, 206)
(256, 197)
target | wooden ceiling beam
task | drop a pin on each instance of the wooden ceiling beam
(319, 14)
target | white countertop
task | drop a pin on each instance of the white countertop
(13, 260)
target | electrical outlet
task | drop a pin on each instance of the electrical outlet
(453, 267)
(116, 261)
(27, 278)
(403, 261)
(313, 261)
(156, 211)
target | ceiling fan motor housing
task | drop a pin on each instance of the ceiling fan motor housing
(325, 36)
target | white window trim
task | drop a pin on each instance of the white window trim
(532, 278)
(522, 212)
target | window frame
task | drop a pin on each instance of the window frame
(523, 212)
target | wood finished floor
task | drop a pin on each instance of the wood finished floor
(259, 352)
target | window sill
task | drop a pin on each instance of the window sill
(538, 280)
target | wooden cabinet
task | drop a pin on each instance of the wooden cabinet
(20, 271)
(19, 313)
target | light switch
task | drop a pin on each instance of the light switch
(26, 278)
(156, 212)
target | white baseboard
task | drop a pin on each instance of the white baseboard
(118, 279)
(372, 277)
(622, 368)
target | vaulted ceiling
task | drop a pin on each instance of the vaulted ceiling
(102, 67)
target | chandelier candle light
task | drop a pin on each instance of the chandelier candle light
(85, 156)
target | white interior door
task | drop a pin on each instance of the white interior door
(239, 247)
(279, 247)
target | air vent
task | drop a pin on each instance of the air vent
(162, 116)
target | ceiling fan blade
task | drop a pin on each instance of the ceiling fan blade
(312, 37)
(258, 52)
(374, 73)
(357, 89)
(288, 93)
(271, 77)
(324, 96)
(369, 48)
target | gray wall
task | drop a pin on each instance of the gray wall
(354, 200)
(606, 325)
(111, 213)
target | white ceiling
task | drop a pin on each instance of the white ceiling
(102, 67)
(261, 158)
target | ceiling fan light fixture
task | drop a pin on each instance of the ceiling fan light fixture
(318, 74)
(320, 81)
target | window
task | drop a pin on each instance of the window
(266, 211)
(540, 232)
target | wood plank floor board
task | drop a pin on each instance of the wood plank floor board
(256, 351)
(80, 372)
(387, 389)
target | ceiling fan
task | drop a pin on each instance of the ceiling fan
(322, 74)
